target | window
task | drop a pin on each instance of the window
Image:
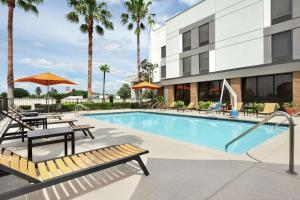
(272, 88)
(163, 72)
(187, 66)
(204, 35)
(283, 87)
(282, 47)
(203, 61)
(211, 91)
(182, 93)
(281, 10)
(265, 88)
(186, 41)
(163, 52)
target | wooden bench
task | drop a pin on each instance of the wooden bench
(51, 172)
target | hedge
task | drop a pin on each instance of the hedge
(26, 107)
(99, 106)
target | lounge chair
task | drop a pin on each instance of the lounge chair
(33, 114)
(51, 172)
(172, 105)
(239, 108)
(268, 109)
(22, 126)
(190, 107)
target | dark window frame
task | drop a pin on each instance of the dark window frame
(283, 18)
(274, 97)
(163, 71)
(187, 48)
(183, 94)
(188, 73)
(206, 42)
(203, 69)
(163, 52)
(208, 96)
(282, 59)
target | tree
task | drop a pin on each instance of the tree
(21, 93)
(105, 69)
(27, 6)
(53, 90)
(147, 69)
(38, 91)
(3, 94)
(93, 12)
(137, 12)
(124, 92)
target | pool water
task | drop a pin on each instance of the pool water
(211, 133)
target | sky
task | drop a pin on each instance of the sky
(49, 43)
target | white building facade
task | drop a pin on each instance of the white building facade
(254, 44)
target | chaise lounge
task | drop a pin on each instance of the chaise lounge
(51, 172)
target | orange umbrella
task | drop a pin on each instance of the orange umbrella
(46, 79)
(145, 85)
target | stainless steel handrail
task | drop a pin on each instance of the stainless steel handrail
(157, 103)
(77, 109)
(298, 113)
(291, 169)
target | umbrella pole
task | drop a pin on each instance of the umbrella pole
(48, 97)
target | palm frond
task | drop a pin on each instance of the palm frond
(29, 5)
(142, 26)
(4, 2)
(83, 28)
(72, 17)
(130, 26)
(124, 18)
(99, 30)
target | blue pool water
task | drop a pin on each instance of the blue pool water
(201, 131)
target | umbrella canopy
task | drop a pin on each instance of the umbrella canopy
(145, 85)
(46, 79)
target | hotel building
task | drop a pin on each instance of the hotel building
(254, 44)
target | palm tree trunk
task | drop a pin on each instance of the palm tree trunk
(138, 56)
(90, 59)
(103, 91)
(10, 71)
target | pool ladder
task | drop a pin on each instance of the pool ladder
(77, 109)
(291, 169)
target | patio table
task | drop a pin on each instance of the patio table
(65, 132)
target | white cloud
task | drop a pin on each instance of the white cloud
(189, 2)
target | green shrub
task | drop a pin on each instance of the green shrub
(97, 106)
(204, 105)
(179, 104)
(26, 107)
(258, 106)
(289, 105)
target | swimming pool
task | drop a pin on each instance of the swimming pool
(213, 133)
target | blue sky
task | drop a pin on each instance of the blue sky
(48, 43)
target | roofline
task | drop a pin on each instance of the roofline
(185, 10)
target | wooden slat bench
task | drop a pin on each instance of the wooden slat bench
(51, 172)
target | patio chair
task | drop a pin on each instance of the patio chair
(239, 108)
(190, 107)
(22, 126)
(268, 109)
(59, 170)
(34, 114)
(172, 105)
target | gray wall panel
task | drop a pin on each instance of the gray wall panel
(195, 38)
(296, 44)
(195, 65)
(267, 49)
(296, 8)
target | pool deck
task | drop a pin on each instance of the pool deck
(178, 170)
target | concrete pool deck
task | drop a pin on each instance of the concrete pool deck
(178, 170)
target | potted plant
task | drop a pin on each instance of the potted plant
(179, 104)
(290, 108)
(58, 97)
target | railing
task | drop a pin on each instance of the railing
(156, 104)
(297, 114)
(77, 109)
(291, 169)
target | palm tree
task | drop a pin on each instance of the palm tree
(137, 12)
(93, 12)
(105, 69)
(27, 6)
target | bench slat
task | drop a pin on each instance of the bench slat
(113, 153)
(100, 156)
(15, 162)
(119, 152)
(86, 160)
(94, 158)
(5, 158)
(71, 164)
(44, 173)
(124, 150)
(134, 148)
(53, 169)
(60, 163)
(107, 155)
(79, 162)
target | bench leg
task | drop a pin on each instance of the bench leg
(84, 132)
(90, 134)
(142, 165)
